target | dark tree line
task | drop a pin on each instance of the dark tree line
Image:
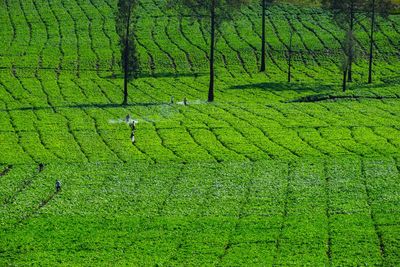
(345, 13)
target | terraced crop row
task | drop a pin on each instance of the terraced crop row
(253, 131)
(87, 40)
(344, 209)
(271, 173)
(66, 100)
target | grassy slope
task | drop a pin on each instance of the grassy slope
(254, 178)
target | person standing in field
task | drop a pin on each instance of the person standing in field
(58, 186)
(133, 128)
(40, 167)
(128, 118)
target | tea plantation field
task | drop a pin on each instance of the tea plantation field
(270, 173)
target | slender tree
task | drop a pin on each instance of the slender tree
(376, 8)
(212, 50)
(125, 25)
(264, 6)
(344, 14)
(216, 12)
(348, 55)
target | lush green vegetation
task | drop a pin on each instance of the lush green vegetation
(269, 174)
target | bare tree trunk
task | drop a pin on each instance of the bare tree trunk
(263, 53)
(371, 47)
(212, 48)
(126, 62)
(351, 48)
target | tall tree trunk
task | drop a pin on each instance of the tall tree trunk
(212, 48)
(126, 61)
(344, 80)
(351, 48)
(371, 42)
(263, 53)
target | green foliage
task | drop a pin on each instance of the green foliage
(204, 213)
(269, 174)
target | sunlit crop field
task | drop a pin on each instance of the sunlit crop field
(271, 173)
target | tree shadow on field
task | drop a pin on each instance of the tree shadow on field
(86, 106)
(159, 75)
(284, 86)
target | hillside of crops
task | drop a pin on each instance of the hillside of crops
(270, 173)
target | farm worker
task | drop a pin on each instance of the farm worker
(133, 127)
(128, 118)
(41, 167)
(172, 99)
(58, 186)
(133, 137)
(185, 101)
